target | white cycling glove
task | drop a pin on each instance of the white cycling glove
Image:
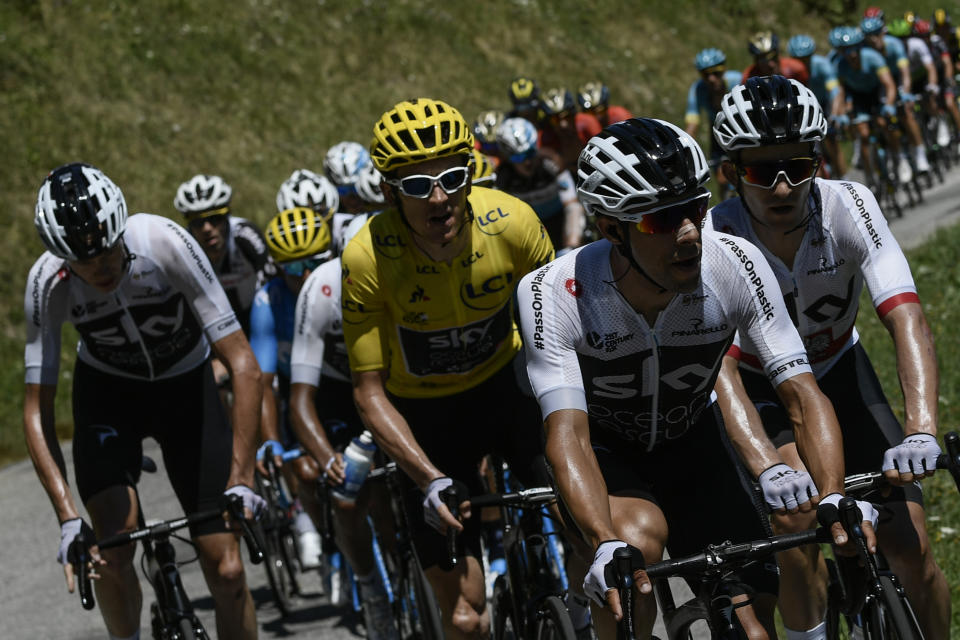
(785, 487)
(917, 453)
(866, 508)
(432, 501)
(595, 583)
(251, 500)
(68, 531)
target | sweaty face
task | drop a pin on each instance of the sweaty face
(439, 218)
(103, 272)
(783, 206)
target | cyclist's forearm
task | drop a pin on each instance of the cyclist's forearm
(816, 431)
(391, 430)
(306, 423)
(742, 421)
(235, 352)
(932, 77)
(44, 449)
(268, 413)
(578, 475)
(916, 366)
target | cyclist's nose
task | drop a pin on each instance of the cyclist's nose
(438, 195)
(782, 188)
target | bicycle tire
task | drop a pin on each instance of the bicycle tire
(277, 574)
(291, 559)
(553, 621)
(896, 617)
(428, 611)
(185, 629)
(503, 620)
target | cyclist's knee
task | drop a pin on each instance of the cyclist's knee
(119, 560)
(223, 565)
(470, 622)
(307, 469)
(793, 522)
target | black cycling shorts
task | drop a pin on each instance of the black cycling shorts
(456, 432)
(337, 412)
(867, 423)
(703, 491)
(112, 415)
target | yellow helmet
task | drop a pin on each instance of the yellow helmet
(297, 233)
(484, 173)
(418, 130)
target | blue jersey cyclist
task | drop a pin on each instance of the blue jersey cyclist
(898, 63)
(704, 97)
(825, 86)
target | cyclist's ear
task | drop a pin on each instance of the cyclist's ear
(729, 171)
(609, 228)
(389, 194)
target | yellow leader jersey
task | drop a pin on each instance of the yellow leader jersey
(439, 329)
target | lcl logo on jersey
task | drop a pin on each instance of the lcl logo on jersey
(390, 245)
(482, 296)
(493, 222)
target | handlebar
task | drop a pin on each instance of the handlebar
(533, 497)
(862, 483)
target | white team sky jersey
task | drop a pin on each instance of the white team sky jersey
(318, 346)
(153, 325)
(918, 53)
(588, 349)
(847, 244)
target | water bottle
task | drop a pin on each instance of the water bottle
(358, 458)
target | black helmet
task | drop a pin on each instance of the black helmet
(636, 163)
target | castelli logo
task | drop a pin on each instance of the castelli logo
(574, 287)
(326, 290)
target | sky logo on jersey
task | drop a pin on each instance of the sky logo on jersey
(493, 222)
(484, 295)
(455, 349)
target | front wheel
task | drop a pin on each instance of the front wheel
(185, 630)
(553, 621)
(277, 573)
(428, 611)
(891, 616)
(503, 621)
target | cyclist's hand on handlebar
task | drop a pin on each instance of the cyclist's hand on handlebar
(276, 450)
(843, 544)
(435, 512)
(335, 470)
(253, 504)
(787, 490)
(912, 459)
(66, 556)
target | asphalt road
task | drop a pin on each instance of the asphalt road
(34, 602)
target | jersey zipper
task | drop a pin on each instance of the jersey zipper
(123, 304)
(655, 396)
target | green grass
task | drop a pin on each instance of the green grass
(153, 92)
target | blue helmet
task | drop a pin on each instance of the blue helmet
(710, 57)
(852, 37)
(869, 26)
(801, 46)
(836, 36)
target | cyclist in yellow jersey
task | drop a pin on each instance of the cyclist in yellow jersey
(427, 305)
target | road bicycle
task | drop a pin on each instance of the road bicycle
(171, 616)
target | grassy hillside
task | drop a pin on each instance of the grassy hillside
(252, 89)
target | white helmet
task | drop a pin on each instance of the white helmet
(304, 188)
(80, 212)
(368, 186)
(768, 110)
(201, 194)
(636, 163)
(345, 162)
(516, 136)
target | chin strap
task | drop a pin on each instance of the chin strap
(624, 249)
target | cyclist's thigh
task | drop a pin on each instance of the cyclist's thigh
(107, 435)
(337, 412)
(867, 422)
(515, 429)
(197, 442)
(707, 498)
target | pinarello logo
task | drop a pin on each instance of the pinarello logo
(326, 290)
(574, 287)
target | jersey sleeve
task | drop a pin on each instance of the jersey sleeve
(263, 336)
(549, 338)
(692, 115)
(366, 322)
(759, 310)
(254, 248)
(44, 308)
(862, 231)
(311, 318)
(188, 268)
